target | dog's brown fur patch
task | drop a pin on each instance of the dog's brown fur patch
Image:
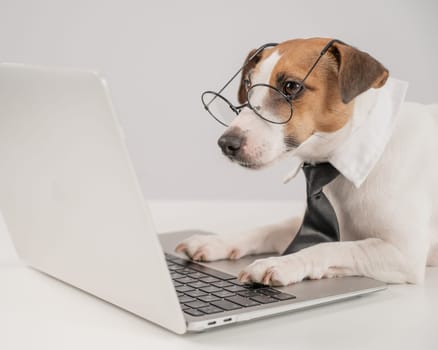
(358, 71)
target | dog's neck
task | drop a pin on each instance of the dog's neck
(356, 147)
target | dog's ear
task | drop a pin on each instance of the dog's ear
(357, 71)
(248, 65)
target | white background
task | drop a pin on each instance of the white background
(159, 55)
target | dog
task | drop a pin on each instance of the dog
(352, 114)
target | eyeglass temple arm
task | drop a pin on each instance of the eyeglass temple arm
(261, 48)
(322, 53)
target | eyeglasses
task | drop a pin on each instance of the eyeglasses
(266, 101)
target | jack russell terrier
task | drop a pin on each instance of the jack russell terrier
(347, 111)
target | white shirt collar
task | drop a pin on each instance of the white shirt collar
(355, 149)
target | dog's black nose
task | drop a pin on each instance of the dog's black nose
(230, 144)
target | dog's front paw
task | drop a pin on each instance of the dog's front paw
(208, 248)
(277, 271)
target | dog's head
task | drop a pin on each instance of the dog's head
(324, 105)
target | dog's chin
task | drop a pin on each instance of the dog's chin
(253, 166)
(257, 163)
(247, 163)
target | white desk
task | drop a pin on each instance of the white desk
(38, 312)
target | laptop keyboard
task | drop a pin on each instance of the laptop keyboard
(203, 291)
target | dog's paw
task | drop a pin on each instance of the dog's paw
(278, 271)
(208, 248)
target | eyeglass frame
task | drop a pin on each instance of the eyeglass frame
(288, 98)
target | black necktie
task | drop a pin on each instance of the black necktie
(319, 223)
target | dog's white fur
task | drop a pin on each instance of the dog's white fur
(264, 141)
(389, 230)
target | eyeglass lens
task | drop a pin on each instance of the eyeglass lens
(220, 108)
(269, 104)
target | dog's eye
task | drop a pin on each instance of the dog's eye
(292, 88)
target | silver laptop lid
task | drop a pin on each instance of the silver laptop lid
(69, 195)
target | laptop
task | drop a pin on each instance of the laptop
(75, 211)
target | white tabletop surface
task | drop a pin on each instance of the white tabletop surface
(38, 312)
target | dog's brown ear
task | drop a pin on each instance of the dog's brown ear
(241, 94)
(357, 71)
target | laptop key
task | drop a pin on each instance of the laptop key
(235, 288)
(255, 286)
(176, 284)
(209, 279)
(269, 291)
(175, 267)
(211, 289)
(198, 284)
(222, 284)
(196, 275)
(225, 305)
(193, 312)
(248, 293)
(184, 289)
(209, 298)
(176, 260)
(186, 299)
(264, 299)
(176, 275)
(210, 309)
(283, 296)
(242, 301)
(224, 294)
(185, 280)
(196, 304)
(196, 293)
